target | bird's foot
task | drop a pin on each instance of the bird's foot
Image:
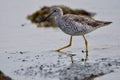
(57, 50)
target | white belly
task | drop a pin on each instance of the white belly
(74, 29)
(85, 30)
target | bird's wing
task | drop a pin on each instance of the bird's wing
(85, 20)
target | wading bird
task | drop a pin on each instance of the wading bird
(75, 25)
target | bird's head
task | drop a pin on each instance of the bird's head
(55, 12)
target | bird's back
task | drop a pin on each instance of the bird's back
(86, 20)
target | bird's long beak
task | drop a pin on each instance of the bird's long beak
(47, 16)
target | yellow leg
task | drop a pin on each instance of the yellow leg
(70, 43)
(86, 45)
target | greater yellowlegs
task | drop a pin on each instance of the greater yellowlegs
(75, 25)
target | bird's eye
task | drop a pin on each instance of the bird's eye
(55, 10)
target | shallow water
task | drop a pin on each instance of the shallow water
(104, 42)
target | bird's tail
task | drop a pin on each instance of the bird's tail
(107, 23)
(103, 23)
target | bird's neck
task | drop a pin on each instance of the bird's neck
(58, 17)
